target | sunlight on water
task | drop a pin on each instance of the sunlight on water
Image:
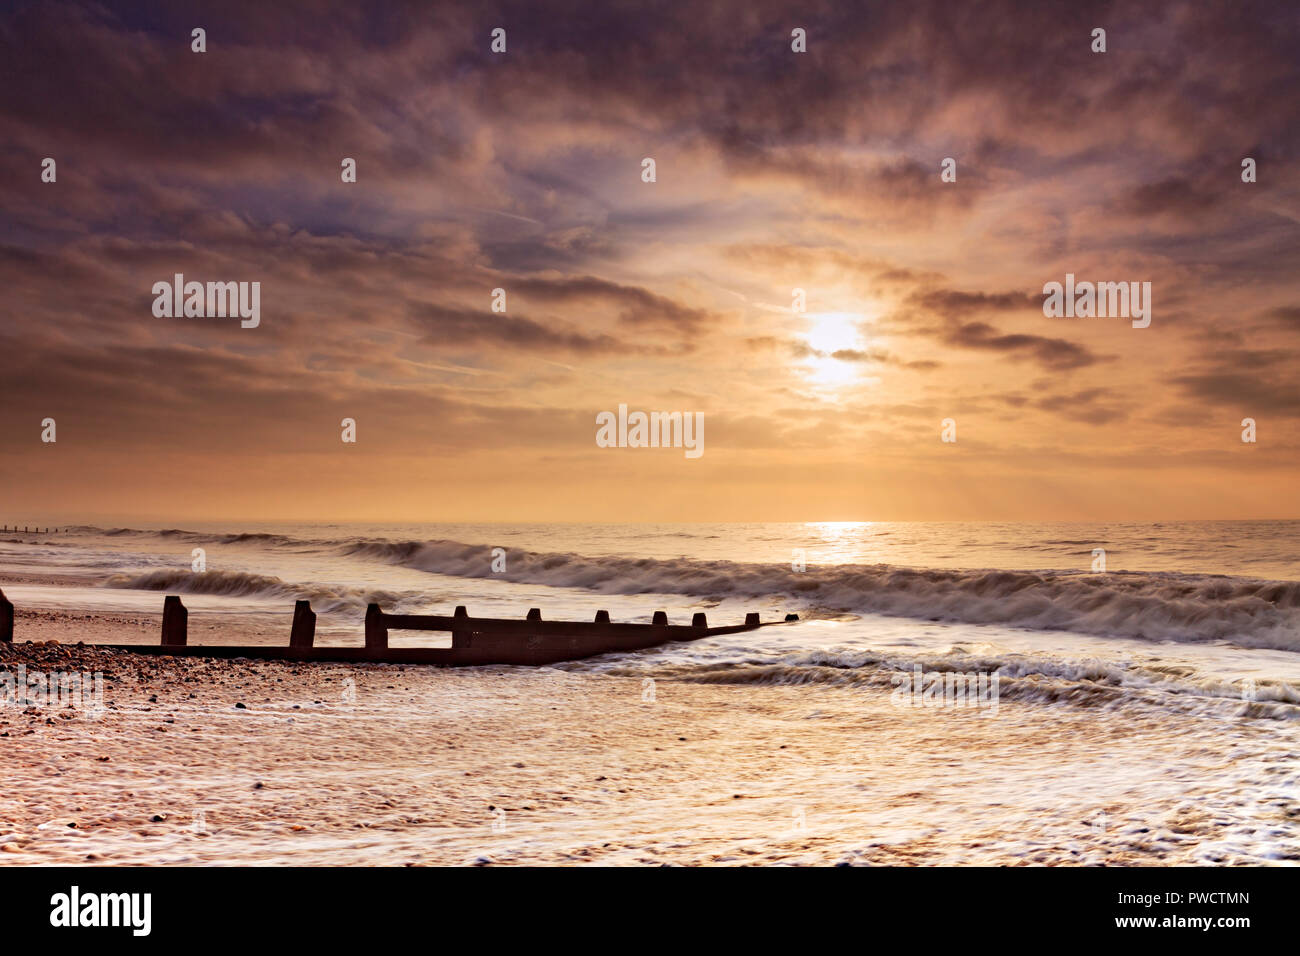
(1187, 677)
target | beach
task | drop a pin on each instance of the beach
(1132, 718)
(896, 404)
(236, 762)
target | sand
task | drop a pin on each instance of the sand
(405, 765)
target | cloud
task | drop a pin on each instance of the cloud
(1095, 406)
(1176, 195)
(1254, 383)
(635, 306)
(453, 326)
(522, 171)
(883, 357)
(1054, 354)
(951, 303)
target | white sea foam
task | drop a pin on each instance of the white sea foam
(1165, 605)
(244, 584)
(1152, 605)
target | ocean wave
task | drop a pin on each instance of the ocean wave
(1160, 606)
(1147, 605)
(243, 584)
(197, 537)
(1083, 683)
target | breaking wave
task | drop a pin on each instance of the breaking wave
(242, 584)
(1082, 683)
(1159, 606)
(1149, 605)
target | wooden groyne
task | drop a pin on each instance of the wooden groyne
(6, 620)
(475, 641)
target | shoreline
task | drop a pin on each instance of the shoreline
(414, 765)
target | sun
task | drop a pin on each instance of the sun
(828, 333)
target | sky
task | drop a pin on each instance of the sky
(774, 170)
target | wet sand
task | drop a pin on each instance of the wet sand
(404, 765)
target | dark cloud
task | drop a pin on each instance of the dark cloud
(799, 349)
(1286, 315)
(776, 170)
(1094, 406)
(633, 305)
(883, 357)
(951, 303)
(1054, 354)
(1176, 195)
(451, 326)
(1254, 382)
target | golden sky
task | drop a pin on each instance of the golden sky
(775, 171)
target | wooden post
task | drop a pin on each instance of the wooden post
(660, 619)
(376, 629)
(461, 636)
(175, 620)
(699, 620)
(534, 614)
(602, 617)
(751, 619)
(303, 633)
(6, 620)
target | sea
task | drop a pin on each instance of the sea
(1193, 624)
(1196, 609)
